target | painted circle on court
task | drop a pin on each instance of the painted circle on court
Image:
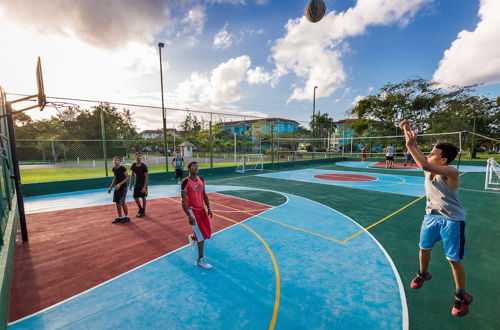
(345, 177)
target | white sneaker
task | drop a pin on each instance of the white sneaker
(204, 264)
(192, 242)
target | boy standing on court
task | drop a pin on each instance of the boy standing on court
(193, 196)
(409, 159)
(445, 216)
(120, 194)
(178, 162)
(389, 156)
(140, 172)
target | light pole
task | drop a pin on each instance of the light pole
(164, 116)
(314, 118)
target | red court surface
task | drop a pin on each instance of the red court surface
(396, 165)
(70, 251)
(345, 177)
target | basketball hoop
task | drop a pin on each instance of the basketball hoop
(40, 96)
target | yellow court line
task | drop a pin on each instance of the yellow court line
(382, 220)
(273, 259)
(281, 223)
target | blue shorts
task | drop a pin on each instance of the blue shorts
(452, 233)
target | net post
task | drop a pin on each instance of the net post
(211, 144)
(104, 149)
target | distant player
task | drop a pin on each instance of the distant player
(193, 196)
(409, 159)
(120, 194)
(140, 172)
(389, 156)
(363, 154)
(178, 163)
(445, 216)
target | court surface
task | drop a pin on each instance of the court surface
(312, 248)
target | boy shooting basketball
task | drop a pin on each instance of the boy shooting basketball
(120, 194)
(445, 216)
(193, 196)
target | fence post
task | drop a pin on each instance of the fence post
(472, 141)
(17, 174)
(211, 146)
(104, 151)
(272, 143)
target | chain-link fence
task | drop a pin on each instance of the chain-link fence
(6, 182)
(78, 138)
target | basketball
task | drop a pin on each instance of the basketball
(315, 10)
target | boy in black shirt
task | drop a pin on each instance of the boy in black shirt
(120, 193)
(140, 171)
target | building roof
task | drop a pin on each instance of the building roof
(186, 144)
(275, 119)
(157, 131)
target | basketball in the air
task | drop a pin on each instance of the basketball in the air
(315, 10)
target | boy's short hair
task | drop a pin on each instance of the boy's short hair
(117, 157)
(138, 153)
(448, 151)
(192, 163)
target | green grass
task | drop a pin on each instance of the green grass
(63, 174)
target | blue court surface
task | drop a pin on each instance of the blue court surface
(290, 267)
(366, 164)
(396, 184)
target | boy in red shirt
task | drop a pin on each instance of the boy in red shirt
(193, 196)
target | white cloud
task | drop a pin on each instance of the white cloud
(222, 85)
(222, 39)
(107, 24)
(258, 76)
(313, 51)
(239, 2)
(357, 99)
(195, 20)
(474, 57)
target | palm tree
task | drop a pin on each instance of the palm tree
(322, 125)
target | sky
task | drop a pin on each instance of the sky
(254, 57)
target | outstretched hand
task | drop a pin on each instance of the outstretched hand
(404, 125)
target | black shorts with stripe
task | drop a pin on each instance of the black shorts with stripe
(120, 195)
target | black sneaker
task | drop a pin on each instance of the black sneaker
(117, 220)
(139, 213)
(126, 219)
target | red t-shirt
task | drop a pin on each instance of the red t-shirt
(194, 192)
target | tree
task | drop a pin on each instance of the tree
(438, 110)
(322, 126)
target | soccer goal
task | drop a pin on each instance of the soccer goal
(250, 162)
(492, 181)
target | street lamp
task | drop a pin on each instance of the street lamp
(164, 115)
(314, 118)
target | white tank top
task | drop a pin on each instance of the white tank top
(441, 199)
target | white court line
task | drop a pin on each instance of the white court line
(121, 275)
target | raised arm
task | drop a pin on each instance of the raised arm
(422, 161)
